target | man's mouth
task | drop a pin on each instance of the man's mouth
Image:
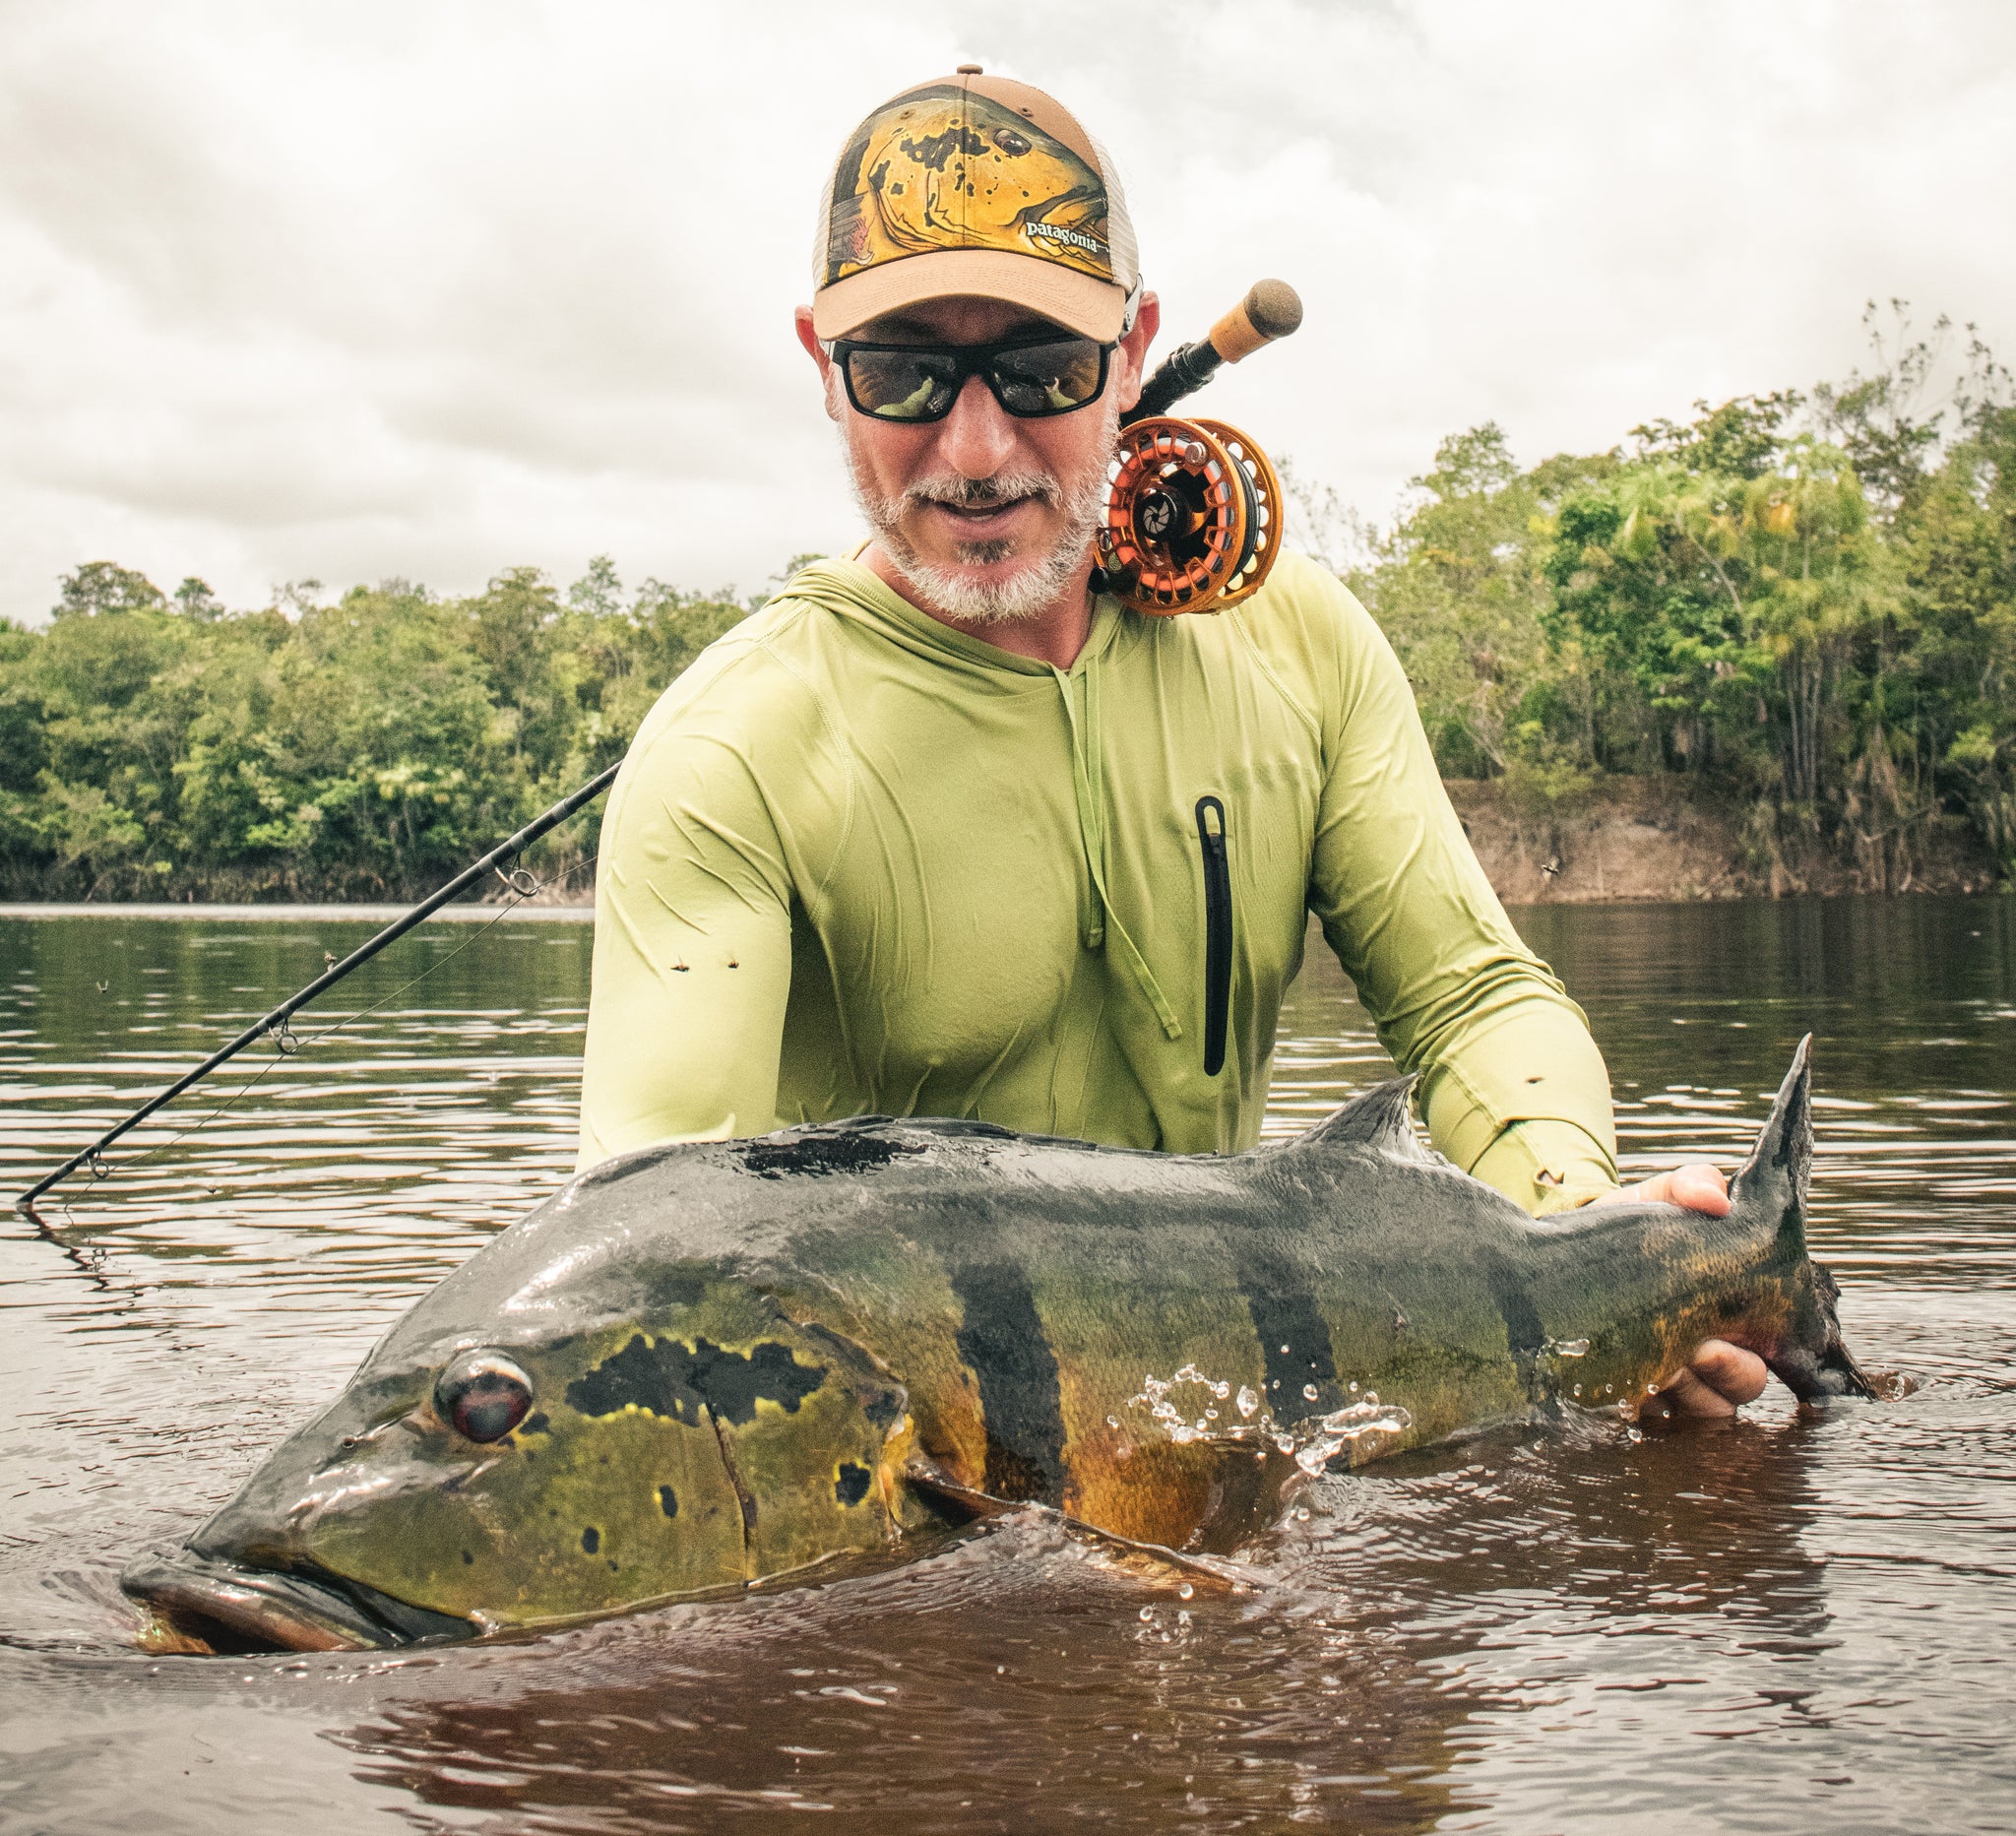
(202, 1606)
(982, 522)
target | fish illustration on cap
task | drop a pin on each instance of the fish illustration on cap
(974, 185)
(948, 168)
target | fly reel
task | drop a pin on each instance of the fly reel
(1193, 516)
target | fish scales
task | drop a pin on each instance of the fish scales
(711, 1367)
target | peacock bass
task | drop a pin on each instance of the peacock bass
(702, 1368)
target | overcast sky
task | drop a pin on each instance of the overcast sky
(431, 289)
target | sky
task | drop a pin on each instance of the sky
(429, 290)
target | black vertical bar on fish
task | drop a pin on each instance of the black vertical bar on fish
(391, 934)
(1294, 1337)
(1001, 1338)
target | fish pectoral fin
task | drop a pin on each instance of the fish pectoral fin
(1154, 1562)
(1161, 1566)
(929, 1476)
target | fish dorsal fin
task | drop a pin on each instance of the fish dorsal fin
(1774, 1178)
(1380, 1120)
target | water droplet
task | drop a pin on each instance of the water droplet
(1569, 1347)
(1284, 1443)
(1249, 1400)
(1354, 1386)
(1220, 1390)
(1309, 1392)
(1302, 1513)
(1211, 1414)
(1182, 1618)
(1148, 1615)
(1112, 1421)
(1187, 1592)
(1284, 1351)
(1578, 1389)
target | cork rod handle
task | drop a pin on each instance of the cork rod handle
(1271, 309)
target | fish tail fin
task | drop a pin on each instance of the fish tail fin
(1773, 1180)
(1771, 1186)
(1380, 1118)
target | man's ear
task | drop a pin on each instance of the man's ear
(802, 319)
(1132, 357)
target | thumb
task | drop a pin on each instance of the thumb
(1698, 1187)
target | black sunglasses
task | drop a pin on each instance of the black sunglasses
(1029, 377)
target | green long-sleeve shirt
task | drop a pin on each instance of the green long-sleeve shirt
(860, 861)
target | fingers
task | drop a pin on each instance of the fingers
(1722, 1377)
(1698, 1187)
(1684, 1395)
(1731, 1373)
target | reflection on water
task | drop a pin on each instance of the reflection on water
(1747, 1626)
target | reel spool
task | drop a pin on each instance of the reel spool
(1193, 516)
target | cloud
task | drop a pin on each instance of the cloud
(433, 290)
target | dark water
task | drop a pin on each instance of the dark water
(1781, 1624)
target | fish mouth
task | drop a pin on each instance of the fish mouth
(202, 1606)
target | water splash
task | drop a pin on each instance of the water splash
(1312, 1443)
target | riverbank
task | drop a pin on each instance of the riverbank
(1629, 840)
(1644, 839)
(325, 912)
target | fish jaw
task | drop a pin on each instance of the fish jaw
(199, 1604)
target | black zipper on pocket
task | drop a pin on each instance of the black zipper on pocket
(1218, 933)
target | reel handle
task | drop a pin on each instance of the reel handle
(1271, 309)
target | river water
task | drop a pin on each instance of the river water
(1783, 1623)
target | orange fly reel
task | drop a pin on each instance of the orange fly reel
(1193, 516)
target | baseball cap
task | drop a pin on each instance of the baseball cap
(974, 185)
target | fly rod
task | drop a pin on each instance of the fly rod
(1271, 309)
(362, 954)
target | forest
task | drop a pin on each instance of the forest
(1799, 606)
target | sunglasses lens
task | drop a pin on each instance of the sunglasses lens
(901, 385)
(1049, 379)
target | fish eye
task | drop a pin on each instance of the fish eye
(483, 1394)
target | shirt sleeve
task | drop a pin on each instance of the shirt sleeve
(692, 948)
(1513, 1088)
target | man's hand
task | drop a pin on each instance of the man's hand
(1723, 1376)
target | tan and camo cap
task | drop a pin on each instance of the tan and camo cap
(974, 185)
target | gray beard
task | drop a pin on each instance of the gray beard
(1013, 596)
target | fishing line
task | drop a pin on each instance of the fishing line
(503, 859)
(523, 885)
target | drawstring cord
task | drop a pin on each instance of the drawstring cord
(1088, 780)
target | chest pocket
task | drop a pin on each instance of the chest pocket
(1218, 931)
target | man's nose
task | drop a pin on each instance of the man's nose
(976, 438)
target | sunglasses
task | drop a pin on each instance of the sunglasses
(1029, 377)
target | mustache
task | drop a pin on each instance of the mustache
(963, 493)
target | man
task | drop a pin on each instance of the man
(927, 835)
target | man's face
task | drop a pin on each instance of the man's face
(990, 516)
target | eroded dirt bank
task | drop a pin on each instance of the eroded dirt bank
(1646, 838)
